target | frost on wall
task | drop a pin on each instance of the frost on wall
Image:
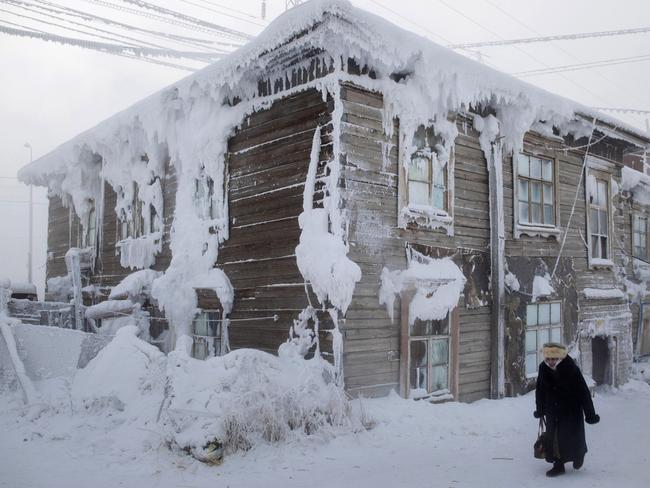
(186, 127)
(437, 285)
(321, 254)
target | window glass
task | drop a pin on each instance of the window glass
(419, 366)
(523, 212)
(547, 170)
(549, 218)
(531, 315)
(555, 334)
(531, 341)
(523, 165)
(418, 193)
(523, 191)
(544, 314)
(531, 363)
(535, 168)
(555, 312)
(543, 324)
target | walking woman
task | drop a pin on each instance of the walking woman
(562, 398)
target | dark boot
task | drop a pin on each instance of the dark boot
(577, 464)
(557, 470)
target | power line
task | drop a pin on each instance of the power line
(124, 51)
(159, 18)
(222, 13)
(561, 37)
(583, 66)
(534, 58)
(86, 16)
(623, 110)
(557, 46)
(189, 19)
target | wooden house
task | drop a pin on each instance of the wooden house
(417, 160)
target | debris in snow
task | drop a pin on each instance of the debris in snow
(128, 375)
(111, 308)
(59, 288)
(30, 394)
(247, 397)
(438, 284)
(542, 287)
(134, 285)
(603, 293)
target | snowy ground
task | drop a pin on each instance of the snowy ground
(484, 444)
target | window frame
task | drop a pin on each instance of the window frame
(425, 216)
(429, 339)
(531, 229)
(537, 327)
(218, 338)
(600, 170)
(638, 216)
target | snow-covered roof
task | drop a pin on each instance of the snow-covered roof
(444, 80)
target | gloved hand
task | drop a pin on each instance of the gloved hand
(593, 420)
(536, 414)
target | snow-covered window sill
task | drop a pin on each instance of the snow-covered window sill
(596, 263)
(536, 231)
(603, 294)
(426, 216)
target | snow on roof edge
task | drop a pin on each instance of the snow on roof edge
(281, 31)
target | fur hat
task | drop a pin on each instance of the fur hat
(554, 350)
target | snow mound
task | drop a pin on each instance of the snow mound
(247, 397)
(126, 376)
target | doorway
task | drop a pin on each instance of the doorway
(601, 371)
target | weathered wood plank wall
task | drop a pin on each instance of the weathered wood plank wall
(268, 160)
(370, 175)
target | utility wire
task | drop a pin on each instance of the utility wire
(243, 19)
(534, 58)
(187, 18)
(160, 18)
(561, 37)
(63, 10)
(124, 51)
(623, 110)
(557, 46)
(583, 66)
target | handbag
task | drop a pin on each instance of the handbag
(539, 448)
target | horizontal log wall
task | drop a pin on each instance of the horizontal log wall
(268, 161)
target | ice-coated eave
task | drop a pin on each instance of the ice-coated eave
(384, 45)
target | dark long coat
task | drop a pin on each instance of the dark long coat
(562, 397)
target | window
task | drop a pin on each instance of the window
(598, 197)
(133, 222)
(207, 334)
(428, 357)
(427, 175)
(90, 234)
(543, 324)
(427, 181)
(640, 237)
(535, 191)
(204, 197)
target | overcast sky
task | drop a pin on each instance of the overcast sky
(49, 92)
